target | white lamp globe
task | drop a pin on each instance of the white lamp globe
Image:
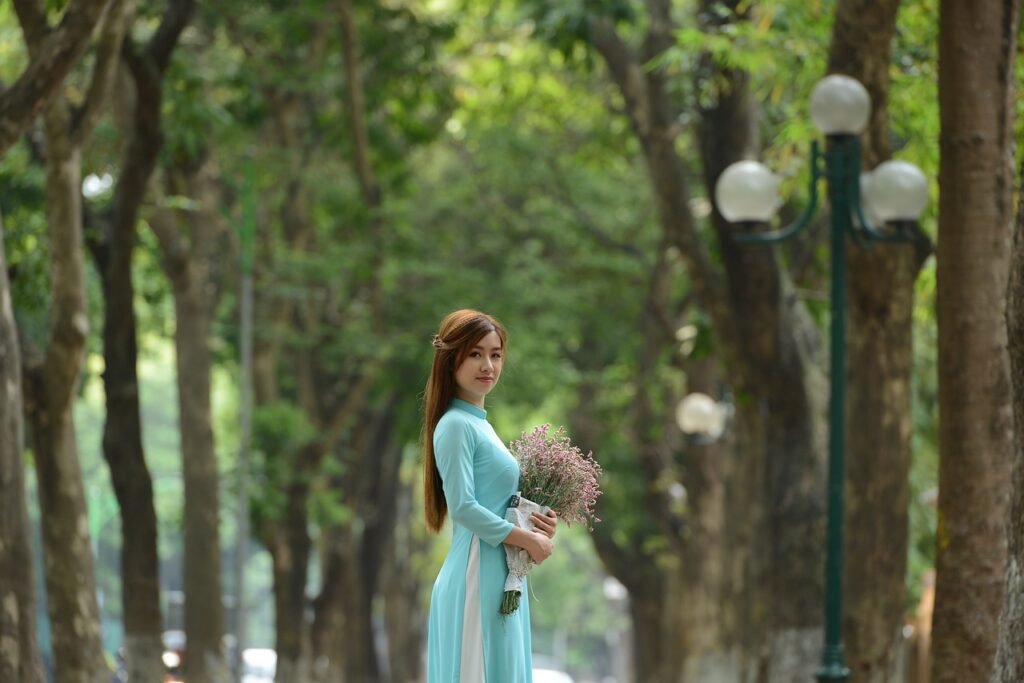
(700, 414)
(747, 191)
(896, 191)
(840, 105)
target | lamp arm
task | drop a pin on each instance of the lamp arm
(862, 238)
(805, 217)
(864, 231)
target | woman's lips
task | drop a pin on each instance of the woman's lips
(485, 380)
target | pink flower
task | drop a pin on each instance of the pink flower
(556, 473)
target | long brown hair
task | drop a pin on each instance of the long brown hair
(458, 334)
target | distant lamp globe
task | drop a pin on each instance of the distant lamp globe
(896, 191)
(747, 191)
(613, 590)
(700, 415)
(840, 105)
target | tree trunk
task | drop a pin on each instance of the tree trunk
(122, 443)
(744, 549)
(51, 382)
(976, 47)
(877, 488)
(764, 334)
(354, 552)
(19, 657)
(286, 537)
(783, 428)
(1009, 666)
(685, 495)
(204, 606)
(122, 448)
(122, 430)
(379, 465)
(188, 248)
(646, 610)
(631, 560)
(645, 581)
(707, 470)
(356, 636)
(880, 363)
(122, 433)
(402, 587)
(290, 547)
(50, 386)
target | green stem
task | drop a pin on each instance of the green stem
(510, 603)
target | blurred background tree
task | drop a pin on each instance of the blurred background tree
(550, 163)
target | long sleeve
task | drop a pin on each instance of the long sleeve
(453, 453)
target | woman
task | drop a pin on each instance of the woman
(471, 475)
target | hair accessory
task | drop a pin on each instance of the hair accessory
(438, 344)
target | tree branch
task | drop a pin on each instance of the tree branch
(631, 562)
(147, 71)
(626, 72)
(164, 226)
(174, 21)
(34, 26)
(357, 105)
(655, 454)
(354, 399)
(659, 28)
(53, 54)
(586, 221)
(654, 123)
(69, 314)
(368, 181)
(96, 233)
(115, 26)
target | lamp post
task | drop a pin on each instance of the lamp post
(894, 195)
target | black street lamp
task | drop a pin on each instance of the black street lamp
(894, 195)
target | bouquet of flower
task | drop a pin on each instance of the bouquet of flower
(554, 475)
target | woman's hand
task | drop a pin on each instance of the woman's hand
(540, 548)
(537, 544)
(545, 523)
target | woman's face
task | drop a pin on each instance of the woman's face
(480, 371)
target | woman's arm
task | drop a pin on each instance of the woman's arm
(537, 544)
(453, 453)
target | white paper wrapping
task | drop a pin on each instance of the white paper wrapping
(519, 562)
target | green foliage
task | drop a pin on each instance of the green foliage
(13, 57)
(22, 202)
(56, 6)
(567, 600)
(924, 470)
(511, 182)
(568, 26)
(279, 430)
(199, 87)
(913, 97)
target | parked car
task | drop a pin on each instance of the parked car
(551, 676)
(258, 665)
(174, 656)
